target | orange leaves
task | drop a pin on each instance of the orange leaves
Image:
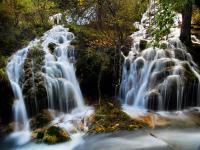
(99, 43)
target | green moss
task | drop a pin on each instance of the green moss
(55, 135)
(41, 120)
(109, 118)
(163, 45)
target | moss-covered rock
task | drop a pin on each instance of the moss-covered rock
(34, 90)
(55, 135)
(41, 120)
(38, 134)
(163, 45)
(109, 118)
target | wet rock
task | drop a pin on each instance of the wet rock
(55, 135)
(128, 64)
(139, 63)
(61, 40)
(149, 54)
(189, 75)
(180, 54)
(38, 134)
(6, 99)
(160, 76)
(41, 120)
(126, 48)
(33, 88)
(153, 100)
(52, 47)
(143, 44)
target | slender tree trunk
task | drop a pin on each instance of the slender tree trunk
(99, 85)
(185, 36)
(99, 13)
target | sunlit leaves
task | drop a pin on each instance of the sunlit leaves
(164, 20)
(177, 4)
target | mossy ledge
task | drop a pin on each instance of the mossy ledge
(109, 117)
(51, 135)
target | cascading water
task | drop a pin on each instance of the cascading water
(27, 71)
(159, 79)
(61, 83)
(15, 71)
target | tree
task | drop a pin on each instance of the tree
(185, 7)
(164, 20)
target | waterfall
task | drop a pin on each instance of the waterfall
(15, 71)
(159, 78)
(57, 71)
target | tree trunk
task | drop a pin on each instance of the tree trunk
(185, 36)
(99, 13)
(99, 85)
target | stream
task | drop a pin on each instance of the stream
(157, 139)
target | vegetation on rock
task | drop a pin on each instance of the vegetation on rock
(109, 117)
(54, 135)
(33, 81)
(185, 7)
(41, 120)
(164, 19)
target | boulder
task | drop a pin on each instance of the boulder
(143, 44)
(52, 47)
(41, 120)
(180, 54)
(55, 135)
(33, 81)
(139, 63)
(153, 100)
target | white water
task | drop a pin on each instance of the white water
(61, 82)
(149, 75)
(55, 19)
(15, 71)
(62, 87)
